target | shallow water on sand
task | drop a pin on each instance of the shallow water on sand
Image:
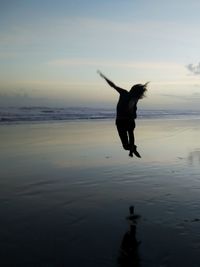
(66, 188)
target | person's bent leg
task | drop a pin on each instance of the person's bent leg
(123, 136)
(131, 142)
(131, 138)
(133, 147)
(131, 127)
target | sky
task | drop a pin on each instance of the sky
(50, 52)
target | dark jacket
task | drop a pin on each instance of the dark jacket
(127, 106)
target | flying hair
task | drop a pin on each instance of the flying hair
(139, 90)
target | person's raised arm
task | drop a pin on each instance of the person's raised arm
(118, 89)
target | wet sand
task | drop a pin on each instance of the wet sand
(66, 188)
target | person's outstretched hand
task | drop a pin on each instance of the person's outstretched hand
(100, 73)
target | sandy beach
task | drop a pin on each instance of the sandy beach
(66, 188)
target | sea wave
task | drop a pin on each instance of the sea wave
(41, 114)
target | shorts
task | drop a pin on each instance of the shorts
(125, 124)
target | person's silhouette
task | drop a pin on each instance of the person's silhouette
(127, 113)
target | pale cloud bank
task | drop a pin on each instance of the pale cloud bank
(195, 69)
(128, 64)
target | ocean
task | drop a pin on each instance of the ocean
(14, 115)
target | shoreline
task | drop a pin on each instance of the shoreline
(33, 115)
(176, 118)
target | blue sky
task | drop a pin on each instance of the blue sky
(50, 51)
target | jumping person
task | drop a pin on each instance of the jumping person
(127, 113)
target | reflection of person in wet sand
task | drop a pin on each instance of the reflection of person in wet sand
(126, 113)
(129, 255)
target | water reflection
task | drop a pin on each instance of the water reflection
(129, 255)
(194, 156)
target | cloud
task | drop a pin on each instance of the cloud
(195, 69)
(24, 99)
(185, 97)
(127, 64)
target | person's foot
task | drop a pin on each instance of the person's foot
(135, 152)
(130, 154)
